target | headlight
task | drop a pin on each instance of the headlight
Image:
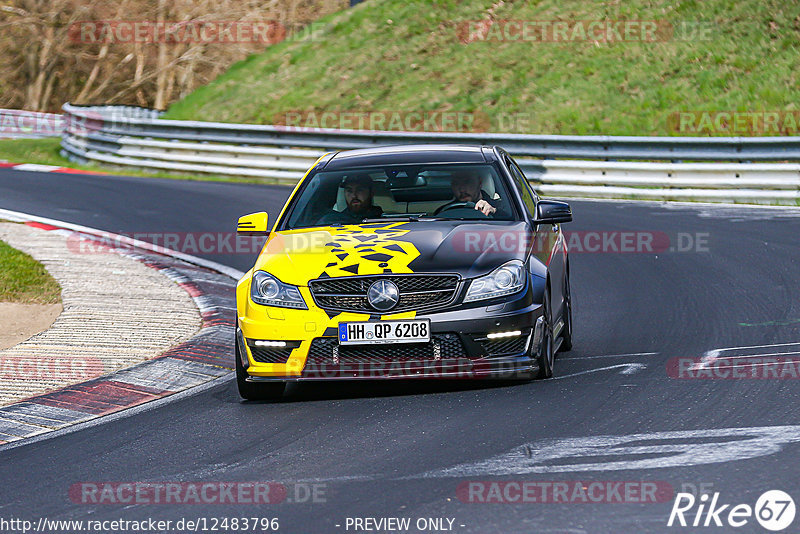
(505, 280)
(267, 290)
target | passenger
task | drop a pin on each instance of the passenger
(358, 193)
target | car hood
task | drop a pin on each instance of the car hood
(467, 248)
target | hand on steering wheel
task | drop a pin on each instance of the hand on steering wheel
(453, 206)
(485, 208)
(459, 205)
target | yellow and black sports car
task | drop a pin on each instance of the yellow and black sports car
(405, 262)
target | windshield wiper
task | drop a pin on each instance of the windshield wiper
(408, 218)
(414, 218)
(453, 219)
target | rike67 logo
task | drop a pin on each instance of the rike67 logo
(774, 510)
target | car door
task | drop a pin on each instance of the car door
(547, 239)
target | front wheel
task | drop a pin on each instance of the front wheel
(546, 355)
(566, 332)
(255, 391)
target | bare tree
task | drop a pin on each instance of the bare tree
(51, 59)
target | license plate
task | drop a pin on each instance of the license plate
(363, 333)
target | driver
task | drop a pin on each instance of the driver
(466, 186)
(358, 193)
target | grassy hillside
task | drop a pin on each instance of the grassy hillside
(406, 55)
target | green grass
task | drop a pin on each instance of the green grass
(405, 55)
(46, 152)
(42, 151)
(24, 280)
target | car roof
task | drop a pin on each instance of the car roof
(409, 155)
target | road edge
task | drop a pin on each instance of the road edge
(191, 367)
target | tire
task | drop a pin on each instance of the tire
(566, 331)
(546, 356)
(254, 391)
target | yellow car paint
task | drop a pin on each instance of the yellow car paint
(299, 256)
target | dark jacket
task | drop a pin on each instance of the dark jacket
(498, 204)
(348, 217)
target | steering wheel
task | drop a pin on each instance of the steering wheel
(467, 207)
(454, 206)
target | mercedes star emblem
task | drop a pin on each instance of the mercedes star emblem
(383, 295)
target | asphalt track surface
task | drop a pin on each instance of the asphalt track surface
(386, 450)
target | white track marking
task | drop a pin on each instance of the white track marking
(627, 369)
(36, 167)
(743, 365)
(757, 355)
(610, 356)
(664, 450)
(711, 356)
(795, 343)
(707, 360)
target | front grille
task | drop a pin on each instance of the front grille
(326, 351)
(416, 292)
(510, 345)
(342, 302)
(270, 354)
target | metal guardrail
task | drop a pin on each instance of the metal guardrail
(125, 136)
(21, 124)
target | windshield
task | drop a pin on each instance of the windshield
(402, 192)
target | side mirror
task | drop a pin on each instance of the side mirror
(553, 212)
(253, 224)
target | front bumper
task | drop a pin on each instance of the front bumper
(496, 368)
(459, 350)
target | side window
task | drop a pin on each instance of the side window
(527, 183)
(523, 187)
